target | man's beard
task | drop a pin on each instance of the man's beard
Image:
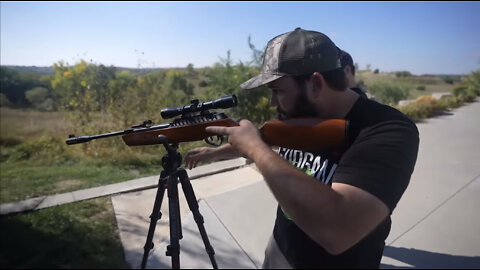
(302, 108)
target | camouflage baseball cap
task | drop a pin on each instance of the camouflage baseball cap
(299, 52)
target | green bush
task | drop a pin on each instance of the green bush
(9, 141)
(44, 149)
(389, 93)
(203, 83)
(448, 80)
(423, 107)
(361, 84)
(464, 92)
(4, 101)
(427, 106)
(403, 74)
(40, 98)
(450, 102)
(421, 88)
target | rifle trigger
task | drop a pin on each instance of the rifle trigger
(210, 140)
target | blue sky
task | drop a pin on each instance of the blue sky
(421, 37)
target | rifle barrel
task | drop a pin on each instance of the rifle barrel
(84, 139)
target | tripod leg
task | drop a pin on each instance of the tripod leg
(193, 205)
(154, 217)
(173, 204)
(179, 216)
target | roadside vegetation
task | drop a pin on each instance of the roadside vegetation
(39, 111)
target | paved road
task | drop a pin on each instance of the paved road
(435, 225)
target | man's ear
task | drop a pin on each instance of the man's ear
(318, 83)
(348, 70)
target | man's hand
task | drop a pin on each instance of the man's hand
(201, 154)
(246, 138)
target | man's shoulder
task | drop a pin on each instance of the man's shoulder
(369, 113)
(381, 111)
(359, 91)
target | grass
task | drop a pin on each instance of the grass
(35, 161)
(19, 182)
(77, 235)
(25, 124)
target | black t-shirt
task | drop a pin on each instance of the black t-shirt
(359, 91)
(381, 154)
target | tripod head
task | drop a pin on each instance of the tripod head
(172, 160)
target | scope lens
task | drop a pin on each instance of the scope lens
(225, 102)
(170, 112)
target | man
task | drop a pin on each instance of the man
(337, 215)
(346, 62)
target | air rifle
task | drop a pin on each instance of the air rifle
(300, 134)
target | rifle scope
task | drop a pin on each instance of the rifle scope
(196, 106)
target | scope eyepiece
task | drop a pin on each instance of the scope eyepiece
(196, 106)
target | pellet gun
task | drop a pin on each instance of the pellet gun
(301, 134)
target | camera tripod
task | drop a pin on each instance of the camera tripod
(169, 178)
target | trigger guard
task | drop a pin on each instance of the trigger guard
(210, 141)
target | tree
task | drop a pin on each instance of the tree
(100, 76)
(400, 74)
(77, 96)
(123, 102)
(4, 102)
(191, 71)
(257, 55)
(225, 79)
(40, 98)
(14, 85)
(175, 80)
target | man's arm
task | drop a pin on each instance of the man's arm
(335, 217)
(205, 154)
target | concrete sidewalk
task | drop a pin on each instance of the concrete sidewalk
(226, 213)
(435, 225)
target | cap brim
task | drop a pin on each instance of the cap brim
(260, 80)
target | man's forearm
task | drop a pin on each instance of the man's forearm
(225, 151)
(310, 203)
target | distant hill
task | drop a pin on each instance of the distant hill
(33, 69)
(49, 70)
(141, 71)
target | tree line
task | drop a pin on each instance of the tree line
(85, 89)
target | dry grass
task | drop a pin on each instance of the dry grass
(32, 124)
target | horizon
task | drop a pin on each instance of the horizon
(437, 38)
(145, 68)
